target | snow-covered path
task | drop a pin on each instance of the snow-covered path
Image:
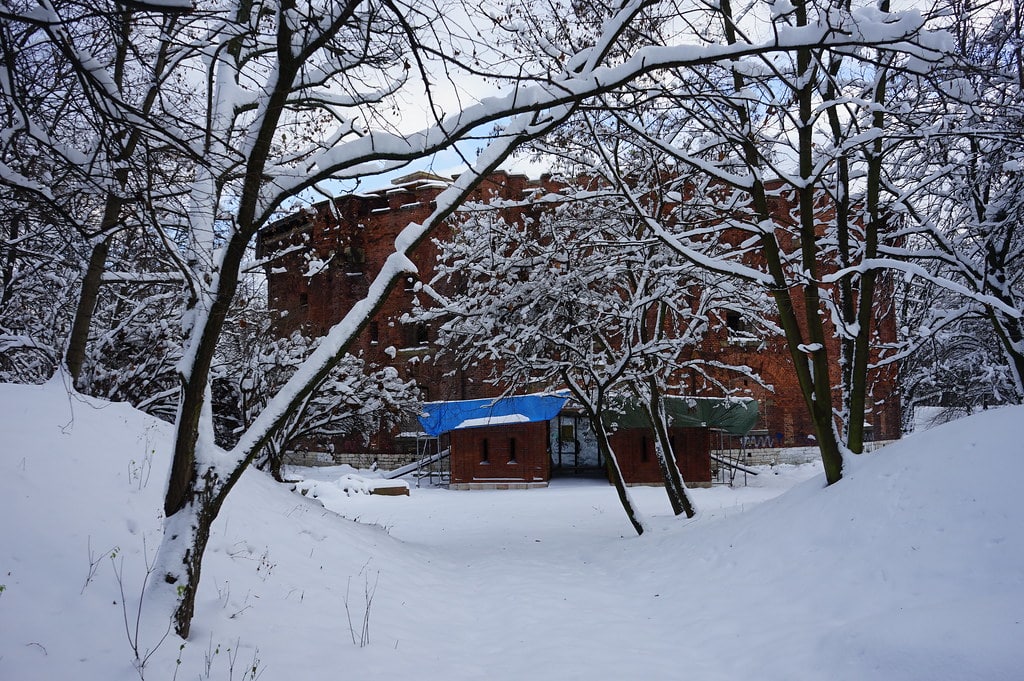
(540, 579)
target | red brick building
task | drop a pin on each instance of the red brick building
(319, 261)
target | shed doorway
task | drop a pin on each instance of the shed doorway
(574, 451)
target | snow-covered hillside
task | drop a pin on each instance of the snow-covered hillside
(911, 568)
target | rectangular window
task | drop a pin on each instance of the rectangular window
(512, 450)
(416, 334)
(485, 453)
(741, 332)
(735, 322)
(354, 255)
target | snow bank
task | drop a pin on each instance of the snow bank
(910, 568)
(346, 485)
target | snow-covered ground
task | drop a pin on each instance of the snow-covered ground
(911, 568)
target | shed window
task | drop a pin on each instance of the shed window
(485, 453)
(512, 450)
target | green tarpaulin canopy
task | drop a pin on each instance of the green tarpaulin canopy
(735, 416)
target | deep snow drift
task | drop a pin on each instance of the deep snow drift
(912, 567)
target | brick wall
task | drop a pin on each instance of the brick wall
(509, 453)
(321, 260)
(634, 450)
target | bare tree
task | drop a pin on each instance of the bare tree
(355, 399)
(778, 163)
(81, 86)
(574, 296)
(964, 227)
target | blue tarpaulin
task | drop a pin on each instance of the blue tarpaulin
(441, 417)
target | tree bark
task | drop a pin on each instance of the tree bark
(675, 488)
(74, 356)
(614, 472)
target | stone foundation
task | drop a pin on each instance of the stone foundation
(497, 485)
(386, 461)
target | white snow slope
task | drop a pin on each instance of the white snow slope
(912, 567)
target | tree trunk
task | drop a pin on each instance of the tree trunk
(811, 371)
(74, 356)
(818, 393)
(186, 535)
(674, 485)
(856, 386)
(615, 473)
(6, 288)
(1010, 332)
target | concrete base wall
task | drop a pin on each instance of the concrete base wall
(385, 460)
(497, 485)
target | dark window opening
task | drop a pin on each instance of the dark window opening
(354, 255)
(735, 322)
(416, 334)
(355, 259)
(567, 432)
(303, 299)
(485, 453)
(512, 450)
(374, 333)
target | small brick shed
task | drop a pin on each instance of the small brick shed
(496, 443)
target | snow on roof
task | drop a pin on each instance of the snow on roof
(493, 421)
